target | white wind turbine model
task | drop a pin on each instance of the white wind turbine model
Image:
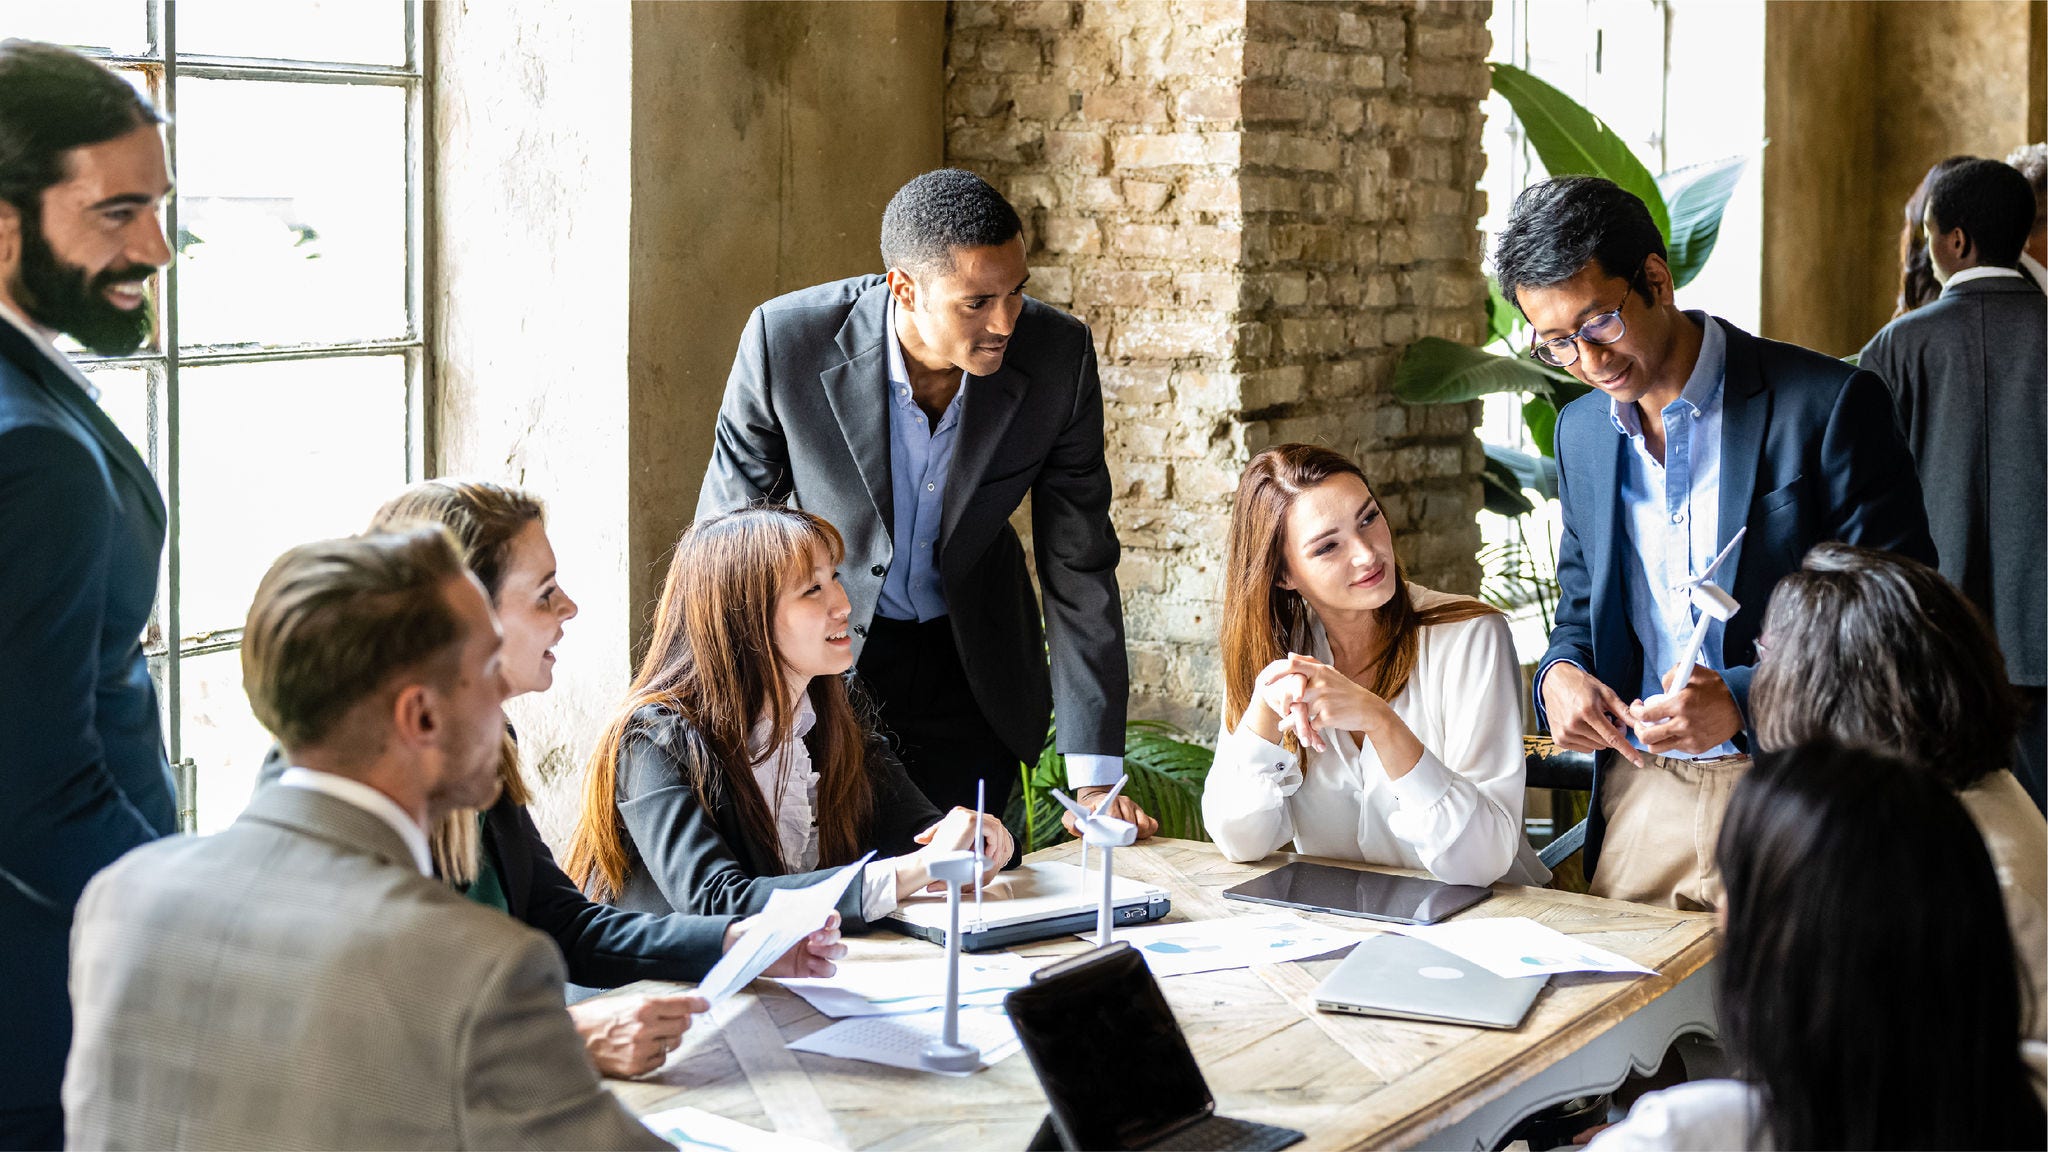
(1107, 833)
(947, 1053)
(1714, 603)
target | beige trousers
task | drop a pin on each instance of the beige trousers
(1663, 820)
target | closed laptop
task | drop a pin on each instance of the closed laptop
(1400, 976)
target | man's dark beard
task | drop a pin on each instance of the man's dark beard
(60, 296)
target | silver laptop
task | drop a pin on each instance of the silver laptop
(1400, 976)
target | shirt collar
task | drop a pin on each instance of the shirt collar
(800, 725)
(1702, 388)
(42, 343)
(369, 800)
(1980, 272)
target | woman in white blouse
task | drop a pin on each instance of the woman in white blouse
(1365, 718)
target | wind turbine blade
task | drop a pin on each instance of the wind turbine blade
(1068, 803)
(1732, 542)
(1111, 798)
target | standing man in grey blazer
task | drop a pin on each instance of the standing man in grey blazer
(1969, 381)
(301, 980)
(915, 411)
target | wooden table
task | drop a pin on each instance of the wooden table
(1268, 1054)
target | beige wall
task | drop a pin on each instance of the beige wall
(616, 187)
(1860, 100)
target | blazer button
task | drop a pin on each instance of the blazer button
(877, 570)
(860, 629)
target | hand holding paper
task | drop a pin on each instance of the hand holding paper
(791, 915)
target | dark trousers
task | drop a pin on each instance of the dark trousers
(912, 671)
(35, 1128)
(2030, 751)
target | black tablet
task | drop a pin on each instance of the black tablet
(1356, 892)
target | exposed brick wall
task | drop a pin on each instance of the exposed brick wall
(1255, 207)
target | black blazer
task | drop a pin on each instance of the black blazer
(806, 419)
(603, 946)
(691, 860)
(1809, 454)
(1969, 381)
(83, 777)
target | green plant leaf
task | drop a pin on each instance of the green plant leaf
(1696, 197)
(1502, 489)
(1167, 770)
(1503, 319)
(1438, 371)
(1570, 141)
(1540, 415)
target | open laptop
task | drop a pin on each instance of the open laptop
(1400, 976)
(1117, 1072)
(1034, 902)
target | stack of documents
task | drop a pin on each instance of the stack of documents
(898, 987)
(1232, 942)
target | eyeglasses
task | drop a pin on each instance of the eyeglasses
(1606, 328)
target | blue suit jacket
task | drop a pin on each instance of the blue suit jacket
(1809, 453)
(82, 771)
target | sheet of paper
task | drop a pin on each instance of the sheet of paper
(899, 1041)
(1517, 946)
(695, 1130)
(883, 988)
(1234, 942)
(791, 915)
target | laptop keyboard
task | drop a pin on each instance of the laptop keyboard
(1222, 1134)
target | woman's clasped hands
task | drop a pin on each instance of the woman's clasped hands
(1307, 695)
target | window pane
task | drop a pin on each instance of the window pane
(124, 396)
(111, 25)
(335, 31)
(220, 735)
(291, 212)
(274, 455)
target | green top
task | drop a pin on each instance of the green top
(487, 889)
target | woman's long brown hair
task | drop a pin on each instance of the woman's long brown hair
(484, 518)
(1262, 620)
(714, 663)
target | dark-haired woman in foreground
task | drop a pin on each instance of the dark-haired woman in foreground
(1867, 998)
(1876, 651)
(738, 764)
(1364, 717)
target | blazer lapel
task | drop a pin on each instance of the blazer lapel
(1745, 410)
(991, 403)
(67, 395)
(858, 391)
(1605, 480)
(327, 818)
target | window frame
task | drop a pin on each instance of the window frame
(164, 66)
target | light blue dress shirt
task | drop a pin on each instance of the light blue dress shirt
(920, 456)
(1672, 513)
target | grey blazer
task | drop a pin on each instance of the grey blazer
(1969, 382)
(293, 982)
(806, 420)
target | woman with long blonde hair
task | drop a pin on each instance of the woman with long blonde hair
(1365, 717)
(737, 764)
(497, 857)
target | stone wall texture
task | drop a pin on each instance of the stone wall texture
(1256, 207)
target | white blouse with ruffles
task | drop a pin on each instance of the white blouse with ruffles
(1457, 813)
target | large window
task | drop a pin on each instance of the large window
(281, 400)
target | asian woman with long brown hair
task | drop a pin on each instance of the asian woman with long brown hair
(1365, 717)
(738, 763)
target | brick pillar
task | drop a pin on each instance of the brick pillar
(1255, 207)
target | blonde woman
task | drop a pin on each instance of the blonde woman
(1366, 718)
(497, 856)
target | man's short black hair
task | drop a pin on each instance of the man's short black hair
(1559, 226)
(940, 211)
(51, 101)
(1990, 201)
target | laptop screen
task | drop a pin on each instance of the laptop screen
(1108, 1051)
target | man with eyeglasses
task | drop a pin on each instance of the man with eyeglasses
(1694, 430)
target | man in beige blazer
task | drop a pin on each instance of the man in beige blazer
(300, 979)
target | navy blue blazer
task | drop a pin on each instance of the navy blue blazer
(83, 776)
(1809, 453)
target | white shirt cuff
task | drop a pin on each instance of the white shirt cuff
(1085, 770)
(877, 892)
(1424, 785)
